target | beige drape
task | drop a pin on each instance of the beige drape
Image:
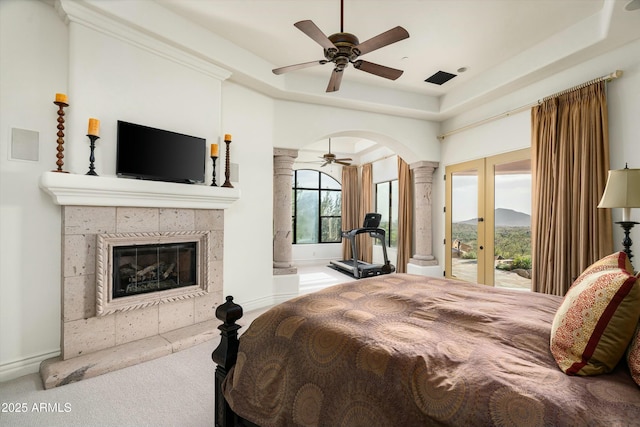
(365, 242)
(350, 205)
(570, 161)
(405, 216)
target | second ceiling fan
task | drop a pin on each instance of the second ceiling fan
(329, 158)
(344, 48)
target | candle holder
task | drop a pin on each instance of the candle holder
(227, 171)
(626, 242)
(213, 182)
(92, 169)
(60, 134)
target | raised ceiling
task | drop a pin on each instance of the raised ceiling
(503, 44)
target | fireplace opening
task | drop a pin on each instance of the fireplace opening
(140, 269)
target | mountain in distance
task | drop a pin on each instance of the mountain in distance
(506, 218)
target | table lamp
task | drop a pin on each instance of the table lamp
(623, 191)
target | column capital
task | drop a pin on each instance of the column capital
(285, 152)
(424, 164)
(423, 171)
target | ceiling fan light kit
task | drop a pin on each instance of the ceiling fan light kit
(344, 48)
(330, 158)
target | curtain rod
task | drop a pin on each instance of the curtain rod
(608, 77)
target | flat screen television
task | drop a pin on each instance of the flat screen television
(155, 154)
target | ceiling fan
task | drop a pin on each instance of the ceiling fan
(331, 158)
(344, 48)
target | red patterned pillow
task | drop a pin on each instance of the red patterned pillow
(596, 321)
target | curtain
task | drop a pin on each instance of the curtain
(350, 209)
(405, 216)
(365, 242)
(570, 162)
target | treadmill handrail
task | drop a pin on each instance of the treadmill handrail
(357, 231)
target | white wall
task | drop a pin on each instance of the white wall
(34, 55)
(248, 250)
(514, 132)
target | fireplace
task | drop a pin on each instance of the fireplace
(109, 223)
(140, 269)
(137, 270)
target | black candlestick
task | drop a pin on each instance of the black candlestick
(626, 242)
(92, 158)
(213, 182)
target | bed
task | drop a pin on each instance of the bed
(405, 350)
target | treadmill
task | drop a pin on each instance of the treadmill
(360, 269)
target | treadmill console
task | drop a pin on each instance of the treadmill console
(372, 220)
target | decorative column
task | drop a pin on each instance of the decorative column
(282, 233)
(422, 237)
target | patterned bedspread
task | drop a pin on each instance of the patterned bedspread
(403, 350)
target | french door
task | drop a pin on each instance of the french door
(488, 220)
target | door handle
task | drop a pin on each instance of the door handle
(480, 219)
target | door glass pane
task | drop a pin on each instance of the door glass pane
(382, 207)
(307, 217)
(393, 239)
(512, 241)
(464, 225)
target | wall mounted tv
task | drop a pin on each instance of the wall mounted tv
(147, 153)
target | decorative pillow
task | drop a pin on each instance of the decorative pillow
(597, 318)
(633, 356)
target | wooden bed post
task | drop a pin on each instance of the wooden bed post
(225, 356)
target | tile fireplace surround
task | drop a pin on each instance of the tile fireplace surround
(93, 344)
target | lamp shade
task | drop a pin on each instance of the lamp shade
(622, 190)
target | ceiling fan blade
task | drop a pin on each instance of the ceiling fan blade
(334, 81)
(343, 163)
(377, 69)
(391, 36)
(312, 30)
(345, 159)
(324, 164)
(288, 68)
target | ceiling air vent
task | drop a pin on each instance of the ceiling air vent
(440, 78)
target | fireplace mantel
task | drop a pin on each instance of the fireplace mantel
(84, 190)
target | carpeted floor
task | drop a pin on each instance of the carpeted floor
(175, 390)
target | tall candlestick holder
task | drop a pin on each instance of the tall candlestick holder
(626, 242)
(92, 169)
(60, 134)
(227, 171)
(213, 182)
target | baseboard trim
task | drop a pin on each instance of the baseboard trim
(26, 366)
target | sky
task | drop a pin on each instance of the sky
(512, 192)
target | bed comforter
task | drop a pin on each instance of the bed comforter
(403, 350)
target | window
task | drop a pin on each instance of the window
(387, 206)
(317, 207)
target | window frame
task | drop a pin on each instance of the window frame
(320, 191)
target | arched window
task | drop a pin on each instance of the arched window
(317, 207)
